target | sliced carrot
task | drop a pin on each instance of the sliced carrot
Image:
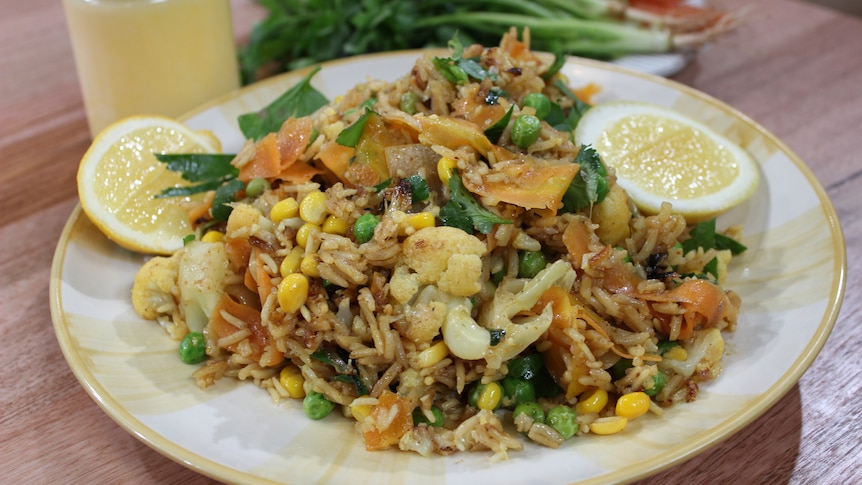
(526, 185)
(264, 281)
(260, 341)
(336, 158)
(293, 138)
(266, 162)
(453, 133)
(238, 253)
(299, 173)
(705, 304)
(578, 239)
(388, 402)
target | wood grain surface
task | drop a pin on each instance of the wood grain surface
(793, 67)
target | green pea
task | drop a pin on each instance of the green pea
(363, 228)
(408, 103)
(256, 187)
(526, 367)
(540, 103)
(564, 420)
(473, 396)
(316, 406)
(618, 370)
(531, 409)
(193, 348)
(518, 391)
(530, 263)
(419, 417)
(658, 382)
(525, 130)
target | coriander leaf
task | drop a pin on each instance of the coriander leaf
(496, 130)
(579, 108)
(452, 72)
(462, 206)
(351, 135)
(711, 268)
(562, 121)
(725, 242)
(383, 185)
(188, 238)
(199, 167)
(419, 190)
(331, 357)
(453, 215)
(300, 100)
(225, 195)
(590, 185)
(703, 235)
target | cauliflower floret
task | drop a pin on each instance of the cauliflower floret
(403, 284)
(423, 321)
(462, 274)
(203, 267)
(427, 251)
(703, 356)
(245, 220)
(152, 292)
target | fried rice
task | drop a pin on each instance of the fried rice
(408, 332)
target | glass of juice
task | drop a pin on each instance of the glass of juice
(161, 57)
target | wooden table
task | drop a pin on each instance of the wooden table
(793, 67)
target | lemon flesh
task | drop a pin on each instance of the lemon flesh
(661, 155)
(119, 178)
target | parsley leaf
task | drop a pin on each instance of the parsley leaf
(458, 69)
(578, 109)
(351, 135)
(465, 212)
(209, 170)
(703, 235)
(300, 100)
(590, 185)
(224, 195)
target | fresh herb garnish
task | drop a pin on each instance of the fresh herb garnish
(703, 235)
(579, 108)
(590, 185)
(346, 371)
(458, 69)
(224, 195)
(351, 135)
(465, 212)
(302, 99)
(419, 190)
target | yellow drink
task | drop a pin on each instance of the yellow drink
(150, 56)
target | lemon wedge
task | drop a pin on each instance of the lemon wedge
(119, 177)
(662, 155)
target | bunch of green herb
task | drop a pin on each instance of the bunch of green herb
(298, 33)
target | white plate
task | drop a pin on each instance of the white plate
(791, 279)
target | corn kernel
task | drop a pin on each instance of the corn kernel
(292, 292)
(284, 209)
(432, 355)
(445, 167)
(290, 263)
(212, 236)
(490, 396)
(313, 207)
(421, 220)
(292, 381)
(305, 232)
(593, 402)
(308, 266)
(360, 411)
(335, 225)
(676, 353)
(608, 425)
(632, 405)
